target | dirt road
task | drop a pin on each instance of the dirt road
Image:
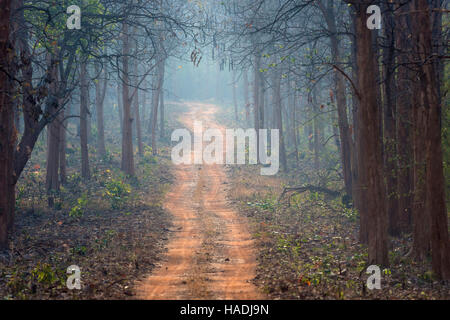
(210, 253)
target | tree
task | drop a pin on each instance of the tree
(7, 137)
(390, 116)
(344, 131)
(435, 206)
(84, 87)
(127, 131)
(370, 144)
(100, 92)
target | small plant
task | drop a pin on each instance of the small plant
(117, 192)
(44, 274)
(148, 156)
(78, 210)
(108, 157)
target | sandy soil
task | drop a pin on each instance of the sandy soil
(210, 254)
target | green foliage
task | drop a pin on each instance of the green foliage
(78, 210)
(44, 274)
(148, 156)
(269, 203)
(117, 192)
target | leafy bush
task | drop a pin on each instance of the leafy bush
(117, 192)
(44, 274)
(78, 210)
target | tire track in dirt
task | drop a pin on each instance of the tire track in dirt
(210, 254)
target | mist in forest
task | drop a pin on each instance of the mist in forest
(224, 150)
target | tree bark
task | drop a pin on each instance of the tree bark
(162, 119)
(390, 115)
(404, 110)
(53, 135)
(256, 97)
(7, 137)
(370, 146)
(234, 84)
(435, 192)
(345, 138)
(137, 112)
(100, 92)
(119, 105)
(85, 171)
(246, 98)
(62, 150)
(279, 119)
(156, 93)
(127, 133)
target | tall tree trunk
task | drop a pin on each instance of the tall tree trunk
(370, 146)
(7, 137)
(345, 138)
(429, 98)
(156, 93)
(421, 217)
(144, 105)
(309, 126)
(137, 112)
(294, 119)
(100, 92)
(85, 171)
(279, 118)
(256, 96)
(119, 104)
(234, 84)
(246, 98)
(53, 134)
(358, 203)
(390, 115)
(404, 110)
(127, 134)
(262, 101)
(62, 150)
(89, 112)
(162, 119)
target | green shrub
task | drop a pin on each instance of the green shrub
(78, 210)
(117, 192)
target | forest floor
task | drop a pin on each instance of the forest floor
(308, 246)
(195, 232)
(111, 246)
(113, 227)
(211, 253)
(233, 238)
